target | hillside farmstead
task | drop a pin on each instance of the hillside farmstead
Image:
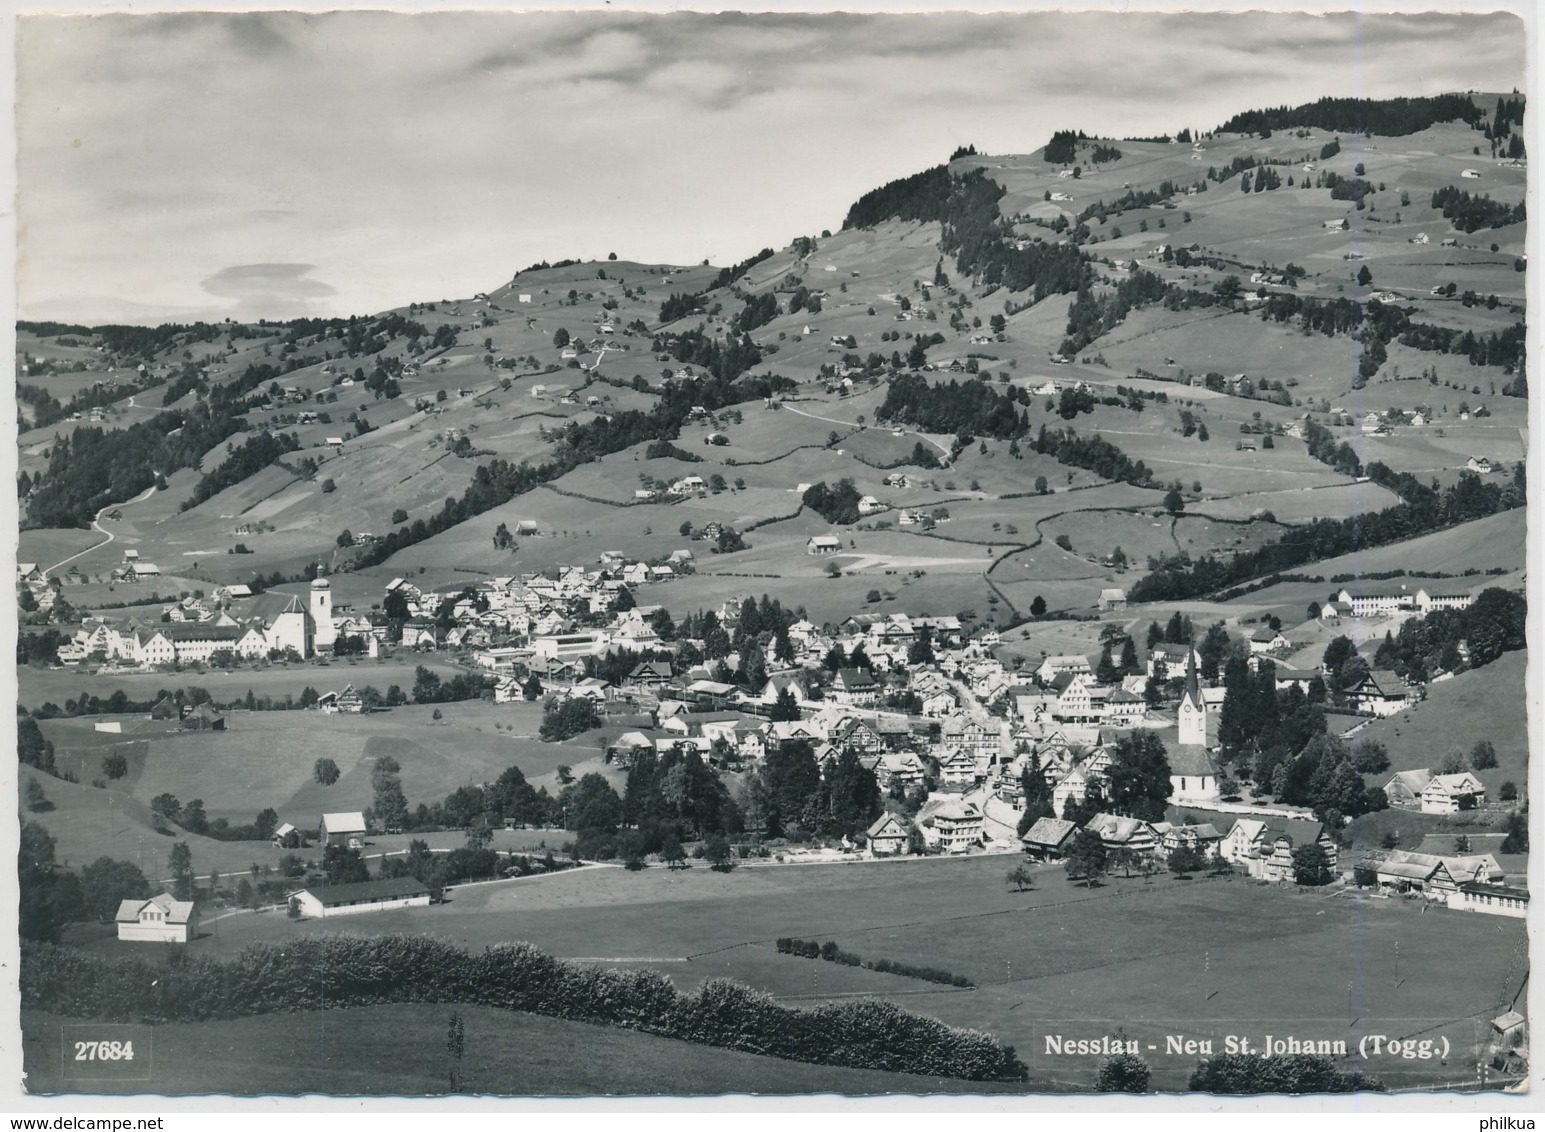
(157, 920)
(366, 896)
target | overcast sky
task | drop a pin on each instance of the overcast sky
(213, 165)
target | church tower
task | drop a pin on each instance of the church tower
(322, 614)
(1193, 709)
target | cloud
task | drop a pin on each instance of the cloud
(281, 282)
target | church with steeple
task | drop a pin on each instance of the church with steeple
(1193, 773)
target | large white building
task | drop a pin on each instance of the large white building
(327, 900)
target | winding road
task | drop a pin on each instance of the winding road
(853, 424)
(96, 524)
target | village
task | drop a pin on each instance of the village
(972, 755)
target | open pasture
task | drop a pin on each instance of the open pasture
(265, 759)
(359, 1051)
(1483, 703)
(1051, 960)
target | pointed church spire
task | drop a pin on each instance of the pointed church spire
(1192, 688)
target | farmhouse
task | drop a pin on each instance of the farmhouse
(366, 896)
(344, 828)
(157, 920)
(1380, 692)
(1451, 793)
(1266, 850)
(1112, 599)
(1054, 666)
(1120, 832)
(1047, 839)
(823, 544)
(1406, 786)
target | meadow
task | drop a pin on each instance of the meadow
(359, 1051)
(1054, 959)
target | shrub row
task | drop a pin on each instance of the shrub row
(309, 974)
(829, 951)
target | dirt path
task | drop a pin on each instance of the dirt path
(96, 523)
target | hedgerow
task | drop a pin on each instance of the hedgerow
(339, 971)
(829, 951)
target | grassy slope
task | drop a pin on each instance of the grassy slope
(360, 1052)
(1053, 957)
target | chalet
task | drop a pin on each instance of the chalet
(1428, 874)
(887, 837)
(1112, 599)
(1405, 787)
(1074, 784)
(869, 505)
(203, 718)
(855, 686)
(1479, 464)
(1266, 849)
(1048, 838)
(823, 544)
(322, 901)
(159, 919)
(1205, 839)
(345, 828)
(1267, 639)
(957, 769)
(649, 674)
(1380, 692)
(1451, 793)
(1054, 666)
(900, 769)
(1120, 832)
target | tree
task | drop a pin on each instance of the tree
(115, 765)
(717, 852)
(106, 882)
(1123, 1073)
(1311, 865)
(180, 861)
(1020, 877)
(1508, 792)
(1138, 778)
(671, 852)
(1239, 1074)
(1085, 857)
(325, 771)
(1364, 276)
(37, 801)
(1038, 606)
(1173, 502)
(562, 719)
(1517, 839)
(1483, 756)
(1461, 844)
(343, 865)
(1186, 859)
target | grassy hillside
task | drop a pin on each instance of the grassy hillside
(359, 1052)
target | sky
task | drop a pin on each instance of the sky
(213, 165)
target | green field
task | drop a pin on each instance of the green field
(1056, 958)
(359, 1051)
